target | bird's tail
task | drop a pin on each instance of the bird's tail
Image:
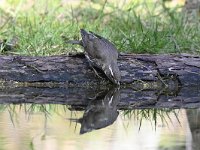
(73, 42)
(83, 32)
(67, 41)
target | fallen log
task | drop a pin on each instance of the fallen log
(157, 81)
(74, 70)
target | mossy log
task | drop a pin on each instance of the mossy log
(147, 80)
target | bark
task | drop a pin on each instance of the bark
(157, 81)
(74, 70)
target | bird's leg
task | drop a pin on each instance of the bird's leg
(95, 71)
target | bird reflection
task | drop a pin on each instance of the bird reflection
(101, 111)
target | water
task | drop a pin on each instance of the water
(55, 127)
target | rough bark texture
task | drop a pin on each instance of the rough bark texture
(71, 70)
(148, 81)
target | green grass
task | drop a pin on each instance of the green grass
(133, 26)
(154, 115)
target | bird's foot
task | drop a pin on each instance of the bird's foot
(96, 73)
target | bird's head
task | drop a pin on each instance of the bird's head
(112, 72)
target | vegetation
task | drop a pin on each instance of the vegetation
(133, 26)
(153, 116)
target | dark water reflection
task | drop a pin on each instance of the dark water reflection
(55, 127)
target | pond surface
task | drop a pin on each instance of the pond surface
(57, 127)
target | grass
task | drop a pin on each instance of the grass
(154, 116)
(133, 26)
(29, 110)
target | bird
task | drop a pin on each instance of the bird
(101, 111)
(100, 53)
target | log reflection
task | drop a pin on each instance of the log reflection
(100, 111)
(184, 97)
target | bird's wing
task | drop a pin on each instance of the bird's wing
(107, 45)
(98, 36)
(102, 38)
(99, 49)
